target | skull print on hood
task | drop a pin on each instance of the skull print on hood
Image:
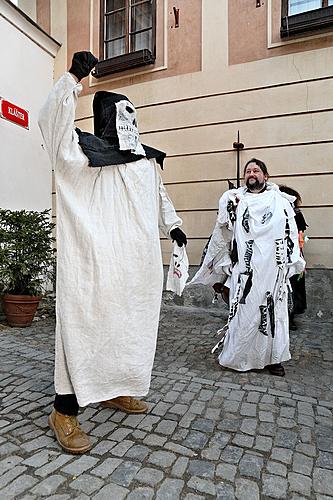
(116, 135)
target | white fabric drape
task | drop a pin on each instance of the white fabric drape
(109, 266)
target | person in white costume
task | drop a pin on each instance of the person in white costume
(255, 245)
(111, 203)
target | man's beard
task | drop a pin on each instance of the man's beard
(254, 186)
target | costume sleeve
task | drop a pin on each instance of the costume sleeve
(168, 219)
(56, 119)
(297, 263)
(217, 257)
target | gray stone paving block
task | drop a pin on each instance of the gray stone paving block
(267, 429)
(325, 443)
(306, 449)
(179, 467)
(282, 455)
(161, 408)
(201, 468)
(181, 450)
(148, 422)
(120, 434)
(286, 423)
(48, 486)
(274, 486)
(276, 468)
(86, 484)
(253, 397)
(265, 416)
(18, 486)
(80, 465)
(226, 471)
(138, 452)
(170, 489)
(53, 466)
(141, 494)
(302, 464)
(166, 427)
(248, 410)
(40, 458)
(246, 490)
(202, 485)
(325, 460)
(187, 419)
(139, 435)
(268, 399)
(38, 443)
(236, 395)
(106, 468)
(205, 395)
(324, 412)
(186, 397)
(306, 420)
(9, 462)
(172, 396)
(211, 453)
(149, 476)
(103, 447)
(191, 496)
(179, 409)
(251, 465)
(305, 435)
(111, 492)
(197, 407)
(133, 420)
(124, 474)
(231, 406)
(162, 458)
(305, 408)
(287, 412)
(213, 414)
(230, 424)
(231, 454)
(243, 440)
(249, 426)
(323, 481)
(285, 439)
(225, 492)
(121, 448)
(154, 440)
(299, 483)
(11, 474)
(220, 439)
(204, 425)
(263, 443)
(196, 440)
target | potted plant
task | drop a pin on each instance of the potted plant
(26, 262)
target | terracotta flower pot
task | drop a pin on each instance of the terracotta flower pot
(20, 309)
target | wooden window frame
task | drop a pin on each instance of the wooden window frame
(131, 59)
(303, 22)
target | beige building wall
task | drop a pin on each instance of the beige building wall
(226, 69)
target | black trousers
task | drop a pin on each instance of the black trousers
(66, 404)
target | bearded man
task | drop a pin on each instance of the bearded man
(111, 203)
(254, 244)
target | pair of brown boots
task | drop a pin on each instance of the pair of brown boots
(67, 429)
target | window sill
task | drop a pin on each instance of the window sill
(306, 21)
(122, 63)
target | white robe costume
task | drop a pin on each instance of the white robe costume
(263, 226)
(109, 265)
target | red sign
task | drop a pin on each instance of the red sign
(13, 113)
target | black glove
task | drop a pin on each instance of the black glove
(178, 235)
(82, 63)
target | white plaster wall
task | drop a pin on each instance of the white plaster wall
(25, 79)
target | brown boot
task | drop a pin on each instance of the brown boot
(68, 433)
(128, 404)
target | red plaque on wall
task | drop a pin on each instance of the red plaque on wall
(13, 113)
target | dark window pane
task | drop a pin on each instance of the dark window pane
(141, 16)
(142, 41)
(114, 4)
(115, 25)
(116, 48)
(298, 6)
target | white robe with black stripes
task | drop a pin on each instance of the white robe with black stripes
(265, 231)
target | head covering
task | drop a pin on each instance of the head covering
(116, 135)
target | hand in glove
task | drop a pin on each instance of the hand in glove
(82, 63)
(178, 236)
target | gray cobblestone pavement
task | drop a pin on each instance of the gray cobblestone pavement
(210, 432)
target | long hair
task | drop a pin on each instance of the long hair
(292, 192)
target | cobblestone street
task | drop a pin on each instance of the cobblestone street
(210, 432)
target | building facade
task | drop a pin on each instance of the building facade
(198, 72)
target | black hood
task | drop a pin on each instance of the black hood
(102, 147)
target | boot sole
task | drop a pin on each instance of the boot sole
(122, 408)
(73, 451)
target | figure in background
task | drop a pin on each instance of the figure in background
(254, 243)
(298, 280)
(111, 203)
